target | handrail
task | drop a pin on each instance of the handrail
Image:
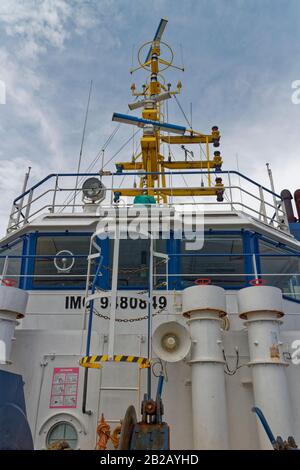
(257, 202)
(113, 189)
(262, 255)
(135, 173)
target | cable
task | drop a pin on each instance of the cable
(185, 117)
(229, 371)
(155, 363)
(121, 148)
(181, 109)
(182, 176)
(69, 197)
(91, 165)
(82, 143)
(163, 368)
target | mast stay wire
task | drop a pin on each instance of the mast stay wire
(93, 163)
(181, 109)
(121, 148)
(185, 117)
(82, 143)
(182, 176)
(169, 152)
(135, 151)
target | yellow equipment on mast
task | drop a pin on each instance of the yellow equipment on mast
(150, 162)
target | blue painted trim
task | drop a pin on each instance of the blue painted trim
(205, 255)
(280, 245)
(290, 299)
(248, 263)
(23, 268)
(11, 244)
(66, 233)
(256, 253)
(31, 250)
(173, 248)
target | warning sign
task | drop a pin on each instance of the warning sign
(64, 389)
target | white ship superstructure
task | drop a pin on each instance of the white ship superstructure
(111, 316)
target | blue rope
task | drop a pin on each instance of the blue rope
(264, 422)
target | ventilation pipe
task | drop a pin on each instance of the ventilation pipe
(287, 201)
(297, 201)
(261, 306)
(204, 306)
(13, 302)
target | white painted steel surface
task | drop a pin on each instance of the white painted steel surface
(53, 327)
(205, 305)
(13, 303)
(261, 306)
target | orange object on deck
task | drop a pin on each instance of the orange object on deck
(103, 431)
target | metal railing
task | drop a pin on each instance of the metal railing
(55, 195)
(261, 267)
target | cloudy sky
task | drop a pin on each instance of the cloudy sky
(240, 57)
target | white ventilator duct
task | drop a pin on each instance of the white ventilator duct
(13, 302)
(261, 306)
(205, 306)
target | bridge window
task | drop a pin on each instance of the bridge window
(61, 261)
(134, 263)
(280, 269)
(221, 260)
(13, 265)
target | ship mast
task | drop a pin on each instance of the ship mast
(150, 162)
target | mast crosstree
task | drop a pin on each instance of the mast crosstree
(149, 161)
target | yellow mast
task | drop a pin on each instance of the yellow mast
(150, 158)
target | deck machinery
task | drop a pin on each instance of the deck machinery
(129, 333)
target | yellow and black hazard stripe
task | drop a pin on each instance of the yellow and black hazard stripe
(94, 362)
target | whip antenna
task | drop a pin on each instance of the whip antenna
(81, 146)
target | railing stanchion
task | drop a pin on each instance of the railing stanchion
(28, 207)
(255, 266)
(263, 205)
(284, 215)
(230, 192)
(54, 195)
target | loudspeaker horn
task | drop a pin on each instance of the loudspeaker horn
(171, 341)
